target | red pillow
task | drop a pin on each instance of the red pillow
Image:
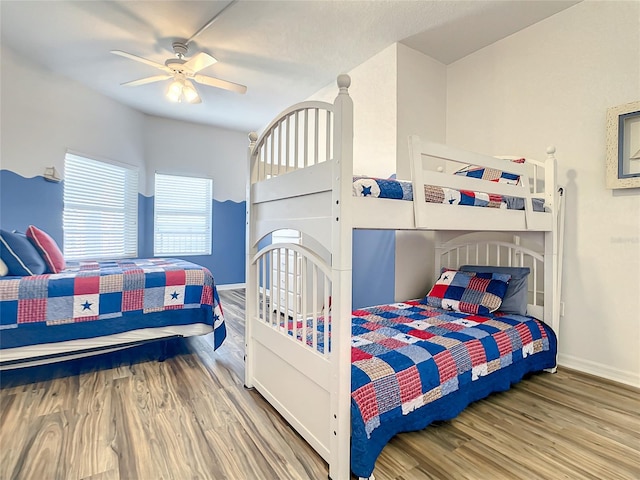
(47, 248)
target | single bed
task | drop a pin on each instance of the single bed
(336, 374)
(94, 307)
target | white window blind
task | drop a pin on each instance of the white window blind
(182, 215)
(100, 218)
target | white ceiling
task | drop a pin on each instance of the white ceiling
(283, 51)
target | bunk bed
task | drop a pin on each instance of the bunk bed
(93, 307)
(328, 369)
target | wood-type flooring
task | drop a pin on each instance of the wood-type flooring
(128, 416)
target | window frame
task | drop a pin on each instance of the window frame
(205, 212)
(96, 217)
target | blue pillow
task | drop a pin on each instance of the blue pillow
(515, 300)
(19, 254)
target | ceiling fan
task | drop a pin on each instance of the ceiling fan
(183, 71)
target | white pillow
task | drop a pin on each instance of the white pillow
(4, 270)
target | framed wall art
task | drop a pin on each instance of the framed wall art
(623, 146)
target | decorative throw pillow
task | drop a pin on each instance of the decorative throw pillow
(491, 174)
(4, 270)
(468, 292)
(20, 255)
(48, 249)
(515, 300)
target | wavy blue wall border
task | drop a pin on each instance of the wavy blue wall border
(27, 201)
(35, 201)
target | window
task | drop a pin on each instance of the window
(100, 218)
(182, 215)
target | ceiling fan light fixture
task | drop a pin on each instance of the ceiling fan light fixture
(190, 93)
(174, 92)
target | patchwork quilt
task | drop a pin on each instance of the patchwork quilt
(413, 364)
(90, 299)
(403, 190)
(382, 188)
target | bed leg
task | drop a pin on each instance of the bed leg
(551, 370)
(164, 351)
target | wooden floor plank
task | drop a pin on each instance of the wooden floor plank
(127, 416)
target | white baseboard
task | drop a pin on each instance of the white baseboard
(598, 369)
(230, 286)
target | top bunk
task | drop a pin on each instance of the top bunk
(301, 168)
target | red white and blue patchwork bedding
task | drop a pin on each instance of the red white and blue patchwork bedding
(91, 299)
(382, 188)
(413, 364)
(403, 190)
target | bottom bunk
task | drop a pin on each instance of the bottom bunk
(413, 364)
(410, 363)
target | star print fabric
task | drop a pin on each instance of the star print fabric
(118, 291)
(467, 292)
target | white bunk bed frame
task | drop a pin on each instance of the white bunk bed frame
(300, 178)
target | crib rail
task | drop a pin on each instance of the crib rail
(300, 137)
(294, 294)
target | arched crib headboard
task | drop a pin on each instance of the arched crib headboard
(476, 249)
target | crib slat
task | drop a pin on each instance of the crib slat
(328, 147)
(314, 305)
(327, 316)
(306, 138)
(316, 140)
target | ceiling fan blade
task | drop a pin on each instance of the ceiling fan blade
(140, 59)
(144, 81)
(216, 82)
(199, 61)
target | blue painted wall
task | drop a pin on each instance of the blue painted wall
(34, 201)
(374, 269)
(30, 201)
(26, 201)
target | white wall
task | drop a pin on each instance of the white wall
(552, 84)
(373, 90)
(397, 93)
(422, 102)
(422, 109)
(43, 115)
(181, 148)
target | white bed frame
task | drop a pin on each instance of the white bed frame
(301, 170)
(45, 353)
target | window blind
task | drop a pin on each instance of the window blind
(182, 215)
(100, 218)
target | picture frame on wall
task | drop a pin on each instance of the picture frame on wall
(623, 146)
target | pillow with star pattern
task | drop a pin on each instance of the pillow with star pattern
(468, 292)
